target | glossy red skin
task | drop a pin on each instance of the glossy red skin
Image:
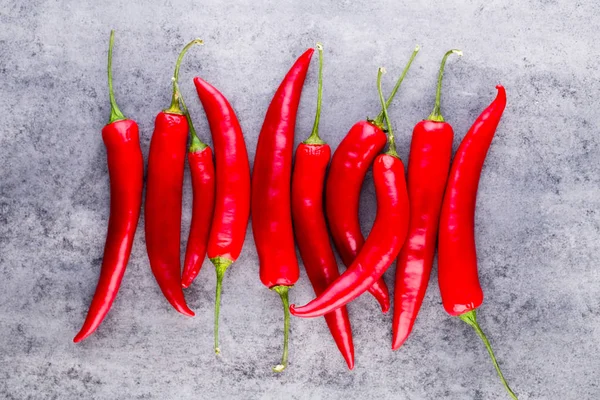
(381, 247)
(202, 171)
(457, 257)
(126, 172)
(351, 160)
(271, 176)
(232, 203)
(428, 166)
(162, 214)
(312, 236)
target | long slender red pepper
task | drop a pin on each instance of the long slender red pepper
(349, 165)
(164, 186)
(457, 259)
(126, 173)
(385, 239)
(202, 171)
(428, 166)
(271, 208)
(308, 178)
(232, 203)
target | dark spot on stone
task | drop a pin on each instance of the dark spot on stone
(72, 373)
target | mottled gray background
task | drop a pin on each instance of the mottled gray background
(537, 218)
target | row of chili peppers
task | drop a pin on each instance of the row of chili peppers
(287, 206)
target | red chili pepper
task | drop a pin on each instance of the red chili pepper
(232, 205)
(312, 157)
(164, 185)
(126, 173)
(428, 165)
(271, 209)
(385, 240)
(202, 170)
(349, 165)
(457, 259)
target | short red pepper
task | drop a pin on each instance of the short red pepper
(202, 171)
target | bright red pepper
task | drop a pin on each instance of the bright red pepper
(308, 178)
(126, 172)
(271, 208)
(428, 165)
(385, 239)
(349, 165)
(457, 259)
(351, 160)
(202, 171)
(232, 204)
(164, 185)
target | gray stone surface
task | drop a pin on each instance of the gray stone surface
(537, 219)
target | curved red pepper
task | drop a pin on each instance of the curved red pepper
(164, 185)
(271, 209)
(457, 275)
(457, 258)
(202, 171)
(428, 166)
(384, 241)
(351, 160)
(232, 204)
(126, 173)
(312, 157)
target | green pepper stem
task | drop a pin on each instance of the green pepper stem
(391, 141)
(436, 114)
(471, 319)
(314, 137)
(115, 112)
(283, 293)
(196, 144)
(174, 107)
(379, 119)
(221, 264)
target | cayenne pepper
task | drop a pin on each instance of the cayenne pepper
(385, 239)
(308, 178)
(428, 166)
(166, 162)
(232, 203)
(271, 208)
(202, 171)
(126, 174)
(349, 165)
(457, 259)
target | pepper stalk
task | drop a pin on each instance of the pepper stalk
(174, 107)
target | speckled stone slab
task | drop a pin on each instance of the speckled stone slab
(537, 220)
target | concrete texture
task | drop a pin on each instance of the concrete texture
(537, 220)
